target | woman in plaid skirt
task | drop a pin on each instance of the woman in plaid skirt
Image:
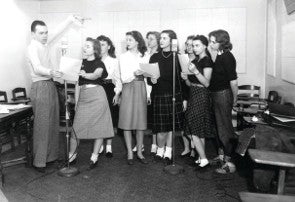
(199, 115)
(162, 97)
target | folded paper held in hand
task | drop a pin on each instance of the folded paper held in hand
(70, 67)
(184, 63)
(150, 70)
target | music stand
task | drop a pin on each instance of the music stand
(68, 171)
(173, 169)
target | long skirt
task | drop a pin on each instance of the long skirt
(93, 118)
(133, 106)
(109, 89)
(199, 114)
(45, 104)
(163, 113)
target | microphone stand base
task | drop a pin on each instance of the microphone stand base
(174, 169)
(68, 172)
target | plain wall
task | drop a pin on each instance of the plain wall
(284, 27)
(13, 72)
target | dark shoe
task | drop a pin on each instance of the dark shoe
(130, 162)
(202, 169)
(153, 154)
(92, 165)
(39, 169)
(142, 160)
(168, 161)
(158, 159)
(109, 154)
(186, 155)
(73, 162)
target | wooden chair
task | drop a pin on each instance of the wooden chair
(3, 97)
(248, 92)
(19, 95)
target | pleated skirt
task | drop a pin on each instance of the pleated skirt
(199, 114)
(93, 118)
(163, 113)
(133, 106)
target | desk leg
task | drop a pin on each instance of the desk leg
(29, 157)
(1, 166)
(281, 184)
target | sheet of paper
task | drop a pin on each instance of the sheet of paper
(184, 62)
(150, 70)
(4, 108)
(70, 67)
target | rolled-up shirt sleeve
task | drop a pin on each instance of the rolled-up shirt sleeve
(35, 62)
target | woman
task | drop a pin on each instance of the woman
(112, 84)
(199, 117)
(153, 43)
(188, 50)
(163, 95)
(93, 118)
(224, 88)
(133, 106)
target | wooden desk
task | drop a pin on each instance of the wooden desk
(255, 197)
(7, 120)
(282, 160)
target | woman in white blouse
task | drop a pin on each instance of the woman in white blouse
(133, 106)
(112, 84)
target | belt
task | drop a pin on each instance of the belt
(197, 85)
(88, 86)
(107, 81)
(139, 78)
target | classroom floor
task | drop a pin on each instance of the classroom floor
(114, 180)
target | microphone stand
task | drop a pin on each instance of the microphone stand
(173, 169)
(68, 171)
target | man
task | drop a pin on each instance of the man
(44, 94)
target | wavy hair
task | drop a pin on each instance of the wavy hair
(141, 47)
(223, 38)
(112, 49)
(204, 41)
(96, 47)
(157, 35)
(171, 34)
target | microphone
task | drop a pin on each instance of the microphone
(174, 45)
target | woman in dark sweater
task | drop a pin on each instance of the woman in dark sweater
(224, 88)
(162, 97)
(199, 116)
(93, 118)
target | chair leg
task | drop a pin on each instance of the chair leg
(281, 184)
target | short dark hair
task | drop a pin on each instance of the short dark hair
(96, 47)
(204, 41)
(141, 43)
(35, 24)
(111, 51)
(223, 38)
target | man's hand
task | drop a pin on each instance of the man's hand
(56, 74)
